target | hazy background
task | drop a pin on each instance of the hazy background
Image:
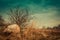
(45, 12)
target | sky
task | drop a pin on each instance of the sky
(44, 12)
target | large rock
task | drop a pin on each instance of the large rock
(14, 28)
(12, 32)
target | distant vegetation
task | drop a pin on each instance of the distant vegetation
(55, 27)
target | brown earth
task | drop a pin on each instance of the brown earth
(31, 34)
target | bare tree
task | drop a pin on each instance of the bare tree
(19, 17)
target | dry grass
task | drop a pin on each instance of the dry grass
(32, 34)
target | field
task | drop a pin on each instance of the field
(32, 34)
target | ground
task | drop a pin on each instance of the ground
(31, 34)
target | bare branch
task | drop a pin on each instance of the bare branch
(18, 16)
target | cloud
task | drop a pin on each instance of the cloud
(47, 18)
(44, 3)
(46, 11)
